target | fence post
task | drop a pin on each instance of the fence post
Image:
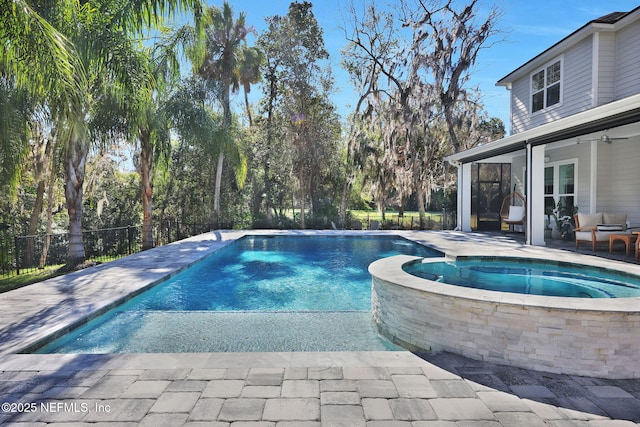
(15, 245)
(129, 240)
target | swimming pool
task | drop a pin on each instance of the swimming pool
(527, 276)
(260, 293)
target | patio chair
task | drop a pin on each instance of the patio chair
(374, 225)
(513, 211)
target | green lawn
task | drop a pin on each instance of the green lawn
(370, 215)
(24, 279)
(16, 281)
(363, 215)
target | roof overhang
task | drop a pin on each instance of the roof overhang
(611, 115)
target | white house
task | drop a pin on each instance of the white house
(575, 132)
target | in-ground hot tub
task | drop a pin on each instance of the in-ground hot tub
(573, 335)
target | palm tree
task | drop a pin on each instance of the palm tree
(151, 125)
(75, 55)
(100, 32)
(225, 47)
(36, 63)
(153, 136)
(252, 60)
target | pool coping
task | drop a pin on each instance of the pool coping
(579, 336)
(35, 314)
(391, 269)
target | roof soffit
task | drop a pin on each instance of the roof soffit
(614, 114)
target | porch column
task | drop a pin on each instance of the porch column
(535, 195)
(464, 197)
(593, 178)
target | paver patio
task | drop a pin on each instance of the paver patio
(273, 389)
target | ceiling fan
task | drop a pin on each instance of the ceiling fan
(604, 138)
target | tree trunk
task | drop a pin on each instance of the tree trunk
(313, 203)
(75, 162)
(50, 201)
(346, 188)
(451, 128)
(146, 172)
(216, 199)
(273, 92)
(421, 209)
(302, 197)
(226, 122)
(33, 225)
(381, 208)
(41, 149)
(246, 104)
(267, 191)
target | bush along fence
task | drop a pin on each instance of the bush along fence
(22, 254)
(373, 221)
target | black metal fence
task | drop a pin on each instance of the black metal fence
(22, 254)
(171, 231)
(441, 221)
(445, 220)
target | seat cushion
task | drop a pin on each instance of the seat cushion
(583, 236)
(613, 218)
(610, 227)
(515, 213)
(589, 220)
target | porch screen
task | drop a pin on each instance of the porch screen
(490, 184)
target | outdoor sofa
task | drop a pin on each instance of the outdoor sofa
(597, 228)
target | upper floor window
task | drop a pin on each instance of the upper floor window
(545, 86)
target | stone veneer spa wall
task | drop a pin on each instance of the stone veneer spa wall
(591, 337)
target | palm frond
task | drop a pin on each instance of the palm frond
(13, 134)
(39, 57)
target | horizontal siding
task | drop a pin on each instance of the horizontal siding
(576, 91)
(604, 194)
(520, 106)
(628, 60)
(606, 68)
(619, 180)
(582, 155)
(577, 95)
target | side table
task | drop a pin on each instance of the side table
(628, 240)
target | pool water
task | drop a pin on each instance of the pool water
(260, 293)
(527, 276)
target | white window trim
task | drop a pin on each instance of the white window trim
(537, 70)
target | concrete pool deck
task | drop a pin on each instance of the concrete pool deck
(276, 389)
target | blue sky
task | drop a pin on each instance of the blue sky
(529, 27)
